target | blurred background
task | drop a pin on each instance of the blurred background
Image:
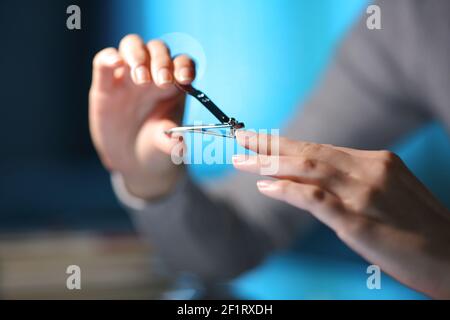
(56, 202)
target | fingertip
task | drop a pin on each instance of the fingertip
(264, 185)
(184, 69)
(104, 65)
(241, 161)
(238, 159)
(113, 61)
(269, 188)
(108, 57)
(167, 142)
(240, 137)
(243, 137)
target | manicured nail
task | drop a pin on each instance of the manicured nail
(245, 134)
(246, 138)
(238, 158)
(164, 76)
(264, 184)
(142, 74)
(185, 74)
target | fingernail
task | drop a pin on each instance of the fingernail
(244, 134)
(142, 74)
(245, 137)
(185, 74)
(238, 158)
(264, 184)
(164, 76)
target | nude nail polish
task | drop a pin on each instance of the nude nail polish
(264, 184)
(164, 76)
(141, 74)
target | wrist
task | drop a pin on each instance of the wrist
(152, 186)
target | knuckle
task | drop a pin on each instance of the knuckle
(138, 57)
(316, 194)
(158, 48)
(330, 176)
(308, 165)
(369, 195)
(309, 148)
(336, 206)
(162, 61)
(388, 159)
(385, 164)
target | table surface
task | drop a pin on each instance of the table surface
(33, 266)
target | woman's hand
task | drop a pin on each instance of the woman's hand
(132, 101)
(369, 198)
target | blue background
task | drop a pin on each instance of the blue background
(262, 59)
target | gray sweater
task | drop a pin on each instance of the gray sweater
(382, 85)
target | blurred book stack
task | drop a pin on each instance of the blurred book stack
(33, 266)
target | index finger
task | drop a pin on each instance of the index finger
(269, 144)
(160, 63)
(136, 55)
(275, 145)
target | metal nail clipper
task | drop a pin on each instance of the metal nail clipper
(230, 125)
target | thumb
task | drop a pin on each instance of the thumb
(153, 141)
(168, 143)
